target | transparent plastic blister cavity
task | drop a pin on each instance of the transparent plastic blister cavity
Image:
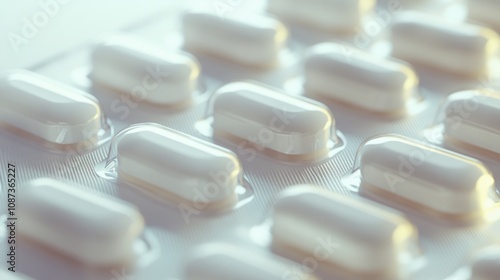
(467, 121)
(194, 175)
(54, 115)
(256, 120)
(415, 176)
(335, 73)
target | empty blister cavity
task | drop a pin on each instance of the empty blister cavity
(332, 229)
(220, 261)
(145, 71)
(86, 227)
(485, 11)
(175, 167)
(51, 113)
(361, 79)
(258, 118)
(335, 15)
(457, 48)
(250, 39)
(405, 173)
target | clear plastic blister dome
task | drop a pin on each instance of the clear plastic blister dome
(424, 179)
(192, 174)
(251, 118)
(468, 122)
(59, 117)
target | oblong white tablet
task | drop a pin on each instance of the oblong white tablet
(228, 262)
(355, 235)
(86, 227)
(50, 111)
(335, 15)
(486, 265)
(485, 11)
(176, 166)
(253, 40)
(361, 79)
(472, 117)
(457, 48)
(144, 71)
(419, 175)
(291, 126)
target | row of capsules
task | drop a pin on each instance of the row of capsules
(178, 167)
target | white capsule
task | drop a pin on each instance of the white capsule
(229, 262)
(472, 117)
(458, 48)
(253, 40)
(175, 166)
(86, 227)
(355, 235)
(485, 11)
(50, 111)
(419, 175)
(291, 126)
(334, 15)
(486, 265)
(361, 79)
(144, 71)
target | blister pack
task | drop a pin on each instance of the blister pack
(268, 140)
